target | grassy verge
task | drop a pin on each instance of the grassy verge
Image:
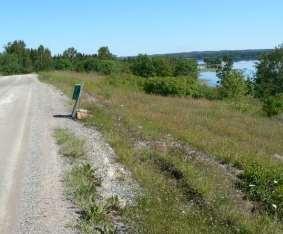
(185, 193)
(70, 145)
(81, 183)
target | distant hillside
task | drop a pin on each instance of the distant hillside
(235, 54)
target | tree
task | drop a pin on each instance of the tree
(233, 85)
(162, 66)
(143, 66)
(185, 67)
(70, 53)
(17, 47)
(269, 76)
(17, 58)
(9, 64)
(225, 70)
(104, 53)
(41, 58)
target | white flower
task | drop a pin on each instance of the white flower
(275, 182)
(251, 185)
(274, 206)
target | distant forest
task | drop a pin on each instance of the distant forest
(235, 55)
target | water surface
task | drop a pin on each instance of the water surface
(247, 67)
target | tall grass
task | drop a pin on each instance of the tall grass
(184, 192)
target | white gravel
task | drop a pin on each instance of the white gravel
(32, 198)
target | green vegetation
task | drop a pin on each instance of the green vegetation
(269, 78)
(192, 148)
(146, 66)
(18, 59)
(232, 83)
(168, 86)
(81, 183)
(235, 55)
(268, 83)
(70, 146)
(167, 75)
(185, 189)
(273, 105)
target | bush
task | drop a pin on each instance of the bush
(170, 86)
(233, 85)
(9, 64)
(143, 66)
(162, 66)
(273, 105)
(185, 67)
(105, 67)
(146, 66)
(62, 64)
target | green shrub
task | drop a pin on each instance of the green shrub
(265, 185)
(170, 86)
(162, 66)
(105, 67)
(273, 105)
(233, 85)
(143, 66)
(147, 66)
(185, 67)
(62, 63)
(9, 64)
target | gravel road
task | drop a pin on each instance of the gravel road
(32, 198)
(31, 188)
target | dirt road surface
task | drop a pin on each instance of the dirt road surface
(31, 192)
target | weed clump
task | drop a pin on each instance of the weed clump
(81, 185)
(70, 145)
(264, 185)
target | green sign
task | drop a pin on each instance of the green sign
(77, 91)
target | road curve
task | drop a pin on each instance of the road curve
(31, 190)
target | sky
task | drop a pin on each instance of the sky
(130, 27)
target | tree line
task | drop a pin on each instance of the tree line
(236, 55)
(17, 58)
(162, 74)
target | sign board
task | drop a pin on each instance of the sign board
(77, 91)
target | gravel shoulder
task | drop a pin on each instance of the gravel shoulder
(32, 198)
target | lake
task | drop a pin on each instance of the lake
(247, 67)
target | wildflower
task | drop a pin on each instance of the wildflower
(275, 181)
(251, 185)
(274, 206)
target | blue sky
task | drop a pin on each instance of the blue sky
(130, 27)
